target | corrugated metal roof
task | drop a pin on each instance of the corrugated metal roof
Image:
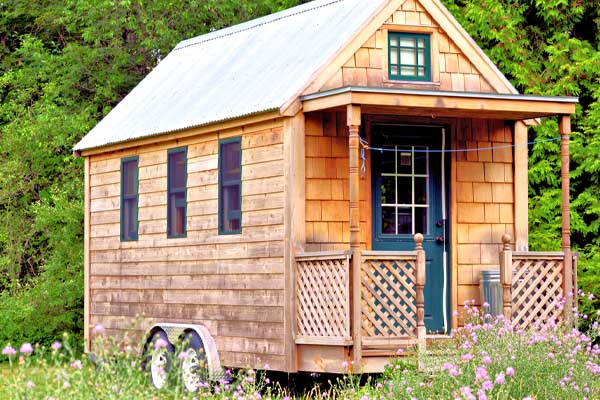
(242, 70)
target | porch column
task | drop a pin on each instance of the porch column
(564, 127)
(353, 119)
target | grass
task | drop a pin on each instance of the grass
(487, 359)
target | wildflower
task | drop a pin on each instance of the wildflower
(56, 346)
(591, 296)
(487, 385)
(66, 385)
(466, 357)
(8, 351)
(500, 379)
(485, 305)
(550, 355)
(344, 364)
(26, 348)
(160, 343)
(76, 364)
(183, 355)
(399, 351)
(409, 390)
(98, 329)
(487, 360)
(365, 397)
(30, 385)
(510, 371)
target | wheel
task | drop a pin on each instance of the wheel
(194, 370)
(157, 361)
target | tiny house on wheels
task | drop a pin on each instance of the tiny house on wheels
(320, 185)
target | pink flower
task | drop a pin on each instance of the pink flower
(160, 344)
(510, 371)
(466, 357)
(8, 351)
(455, 313)
(183, 355)
(98, 329)
(66, 384)
(550, 355)
(26, 348)
(591, 296)
(56, 346)
(487, 360)
(500, 378)
(487, 385)
(485, 305)
(76, 364)
(30, 385)
(344, 364)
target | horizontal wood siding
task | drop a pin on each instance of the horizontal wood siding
(484, 200)
(232, 284)
(451, 70)
(327, 184)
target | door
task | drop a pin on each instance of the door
(408, 198)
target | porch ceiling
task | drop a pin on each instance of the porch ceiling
(440, 103)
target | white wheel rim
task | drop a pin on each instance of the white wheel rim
(189, 370)
(158, 366)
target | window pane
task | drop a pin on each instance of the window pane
(177, 214)
(177, 169)
(128, 219)
(231, 219)
(231, 162)
(129, 177)
(421, 161)
(388, 220)
(421, 71)
(388, 161)
(405, 161)
(404, 190)
(420, 190)
(404, 221)
(388, 190)
(421, 220)
(407, 56)
(394, 56)
(421, 42)
(393, 41)
(407, 71)
(407, 41)
(421, 58)
(394, 70)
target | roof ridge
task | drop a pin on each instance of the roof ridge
(285, 16)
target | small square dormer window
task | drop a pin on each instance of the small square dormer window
(409, 56)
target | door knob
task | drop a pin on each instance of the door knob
(439, 239)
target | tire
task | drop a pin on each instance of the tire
(193, 368)
(158, 361)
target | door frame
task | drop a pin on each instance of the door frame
(446, 191)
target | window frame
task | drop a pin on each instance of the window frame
(124, 198)
(428, 64)
(171, 191)
(222, 184)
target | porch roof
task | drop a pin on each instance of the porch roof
(440, 103)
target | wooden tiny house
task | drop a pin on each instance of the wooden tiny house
(332, 195)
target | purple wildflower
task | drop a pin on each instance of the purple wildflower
(26, 348)
(8, 351)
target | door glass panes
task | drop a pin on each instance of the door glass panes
(404, 190)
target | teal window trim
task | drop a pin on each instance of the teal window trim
(171, 190)
(129, 162)
(223, 184)
(419, 63)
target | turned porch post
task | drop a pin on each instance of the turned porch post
(353, 120)
(506, 271)
(564, 127)
(421, 277)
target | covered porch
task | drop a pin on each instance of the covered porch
(364, 302)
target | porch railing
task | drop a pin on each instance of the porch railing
(391, 299)
(323, 298)
(534, 286)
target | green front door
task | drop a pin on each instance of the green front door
(409, 198)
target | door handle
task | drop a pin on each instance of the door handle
(439, 239)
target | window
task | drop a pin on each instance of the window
(176, 199)
(129, 199)
(409, 56)
(230, 186)
(404, 190)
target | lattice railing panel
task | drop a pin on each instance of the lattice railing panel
(536, 290)
(388, 296)
(323, 297)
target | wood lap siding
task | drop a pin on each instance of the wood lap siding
(233, 284)
(484, 200)
(452, 70)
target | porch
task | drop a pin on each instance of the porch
(460, 192)
(370, 304)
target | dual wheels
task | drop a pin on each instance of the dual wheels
(163, 365)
